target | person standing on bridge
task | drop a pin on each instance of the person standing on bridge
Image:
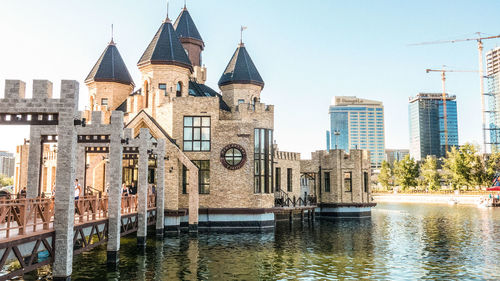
(78, 189)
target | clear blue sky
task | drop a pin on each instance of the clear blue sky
(306, 51)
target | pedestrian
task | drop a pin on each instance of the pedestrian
(124, 190)
(78, 190)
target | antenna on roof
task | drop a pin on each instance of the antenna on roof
(241, 34)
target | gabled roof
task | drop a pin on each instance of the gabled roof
(185, 27)
(201, 90)
(241, 70)
(144, 116)
(165, 48)
(110, 68)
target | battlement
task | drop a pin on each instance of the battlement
(42, 89)
(283, 155)
(254, 108)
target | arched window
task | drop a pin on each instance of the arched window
(146, 89)
(179, 89)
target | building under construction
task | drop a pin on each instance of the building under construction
(493, 72)
(427, 129)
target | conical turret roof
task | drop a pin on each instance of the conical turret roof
(165, 48)
(241, 70)
(185, 27)
(110, 68)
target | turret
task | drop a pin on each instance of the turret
(241, 81)
(192, 42)
(109, 81)
(165, 67)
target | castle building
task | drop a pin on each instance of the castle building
(228, 134)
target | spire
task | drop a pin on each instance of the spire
(167, 19)
(165, 48)
(112, 42)
(110, 67)
(185, 27)
(241, 70)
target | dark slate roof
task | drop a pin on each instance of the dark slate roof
(122, 107)
(165, 48)
(185, 27)
(110, 68)
(241, 70)
(201, 90)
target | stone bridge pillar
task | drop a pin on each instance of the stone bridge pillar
(34, 162)
(115, 187)
(142, 192)
(65, 177)
(160, 188)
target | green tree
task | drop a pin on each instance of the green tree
(385, 176)
(429, 173)
(464, 167)
(406, 172)
(6, 181)
(493, 164)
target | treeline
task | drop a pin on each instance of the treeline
(463, 168)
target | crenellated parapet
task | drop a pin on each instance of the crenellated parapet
(42, 107)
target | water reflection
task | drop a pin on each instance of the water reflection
(399, 242)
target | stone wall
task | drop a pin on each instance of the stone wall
(284, 161)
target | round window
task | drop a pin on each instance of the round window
(233, 156)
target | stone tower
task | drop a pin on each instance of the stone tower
(109, 81)
(241, 82)
(165, 69)
(192, 42)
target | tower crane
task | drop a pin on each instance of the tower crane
(479, 41)
(443, 80)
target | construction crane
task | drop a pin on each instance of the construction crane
(479, 41)
(443, 80)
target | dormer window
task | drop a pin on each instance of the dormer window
(179, 89)
(240, 101)
(104, 102)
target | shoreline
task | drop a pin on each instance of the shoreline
(427, 198)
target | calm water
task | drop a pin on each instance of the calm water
(399, 242)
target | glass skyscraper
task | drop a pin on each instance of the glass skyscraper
(493, 96)
(426, 121)
(357, 124)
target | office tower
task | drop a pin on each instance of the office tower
(426, 121)
(358, 124)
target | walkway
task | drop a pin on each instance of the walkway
(27, 228)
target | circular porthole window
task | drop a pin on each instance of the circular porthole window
(233, 156)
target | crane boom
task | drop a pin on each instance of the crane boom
(479, 40)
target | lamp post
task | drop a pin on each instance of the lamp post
(336, 133)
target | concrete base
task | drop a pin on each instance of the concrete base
(236, 221)
(141, 241)
(343, 212)
(112, 257)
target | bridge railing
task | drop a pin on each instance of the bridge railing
(25, 215)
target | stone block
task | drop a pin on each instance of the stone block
(42, 89)
(15, 89)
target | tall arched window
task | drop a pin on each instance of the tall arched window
(179, 89)
(146, 94)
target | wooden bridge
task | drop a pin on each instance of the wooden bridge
(27, 234)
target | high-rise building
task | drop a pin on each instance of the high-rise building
(493, 95)
(7, 163)
(357, 124)
(427, 130)
(393, 155)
